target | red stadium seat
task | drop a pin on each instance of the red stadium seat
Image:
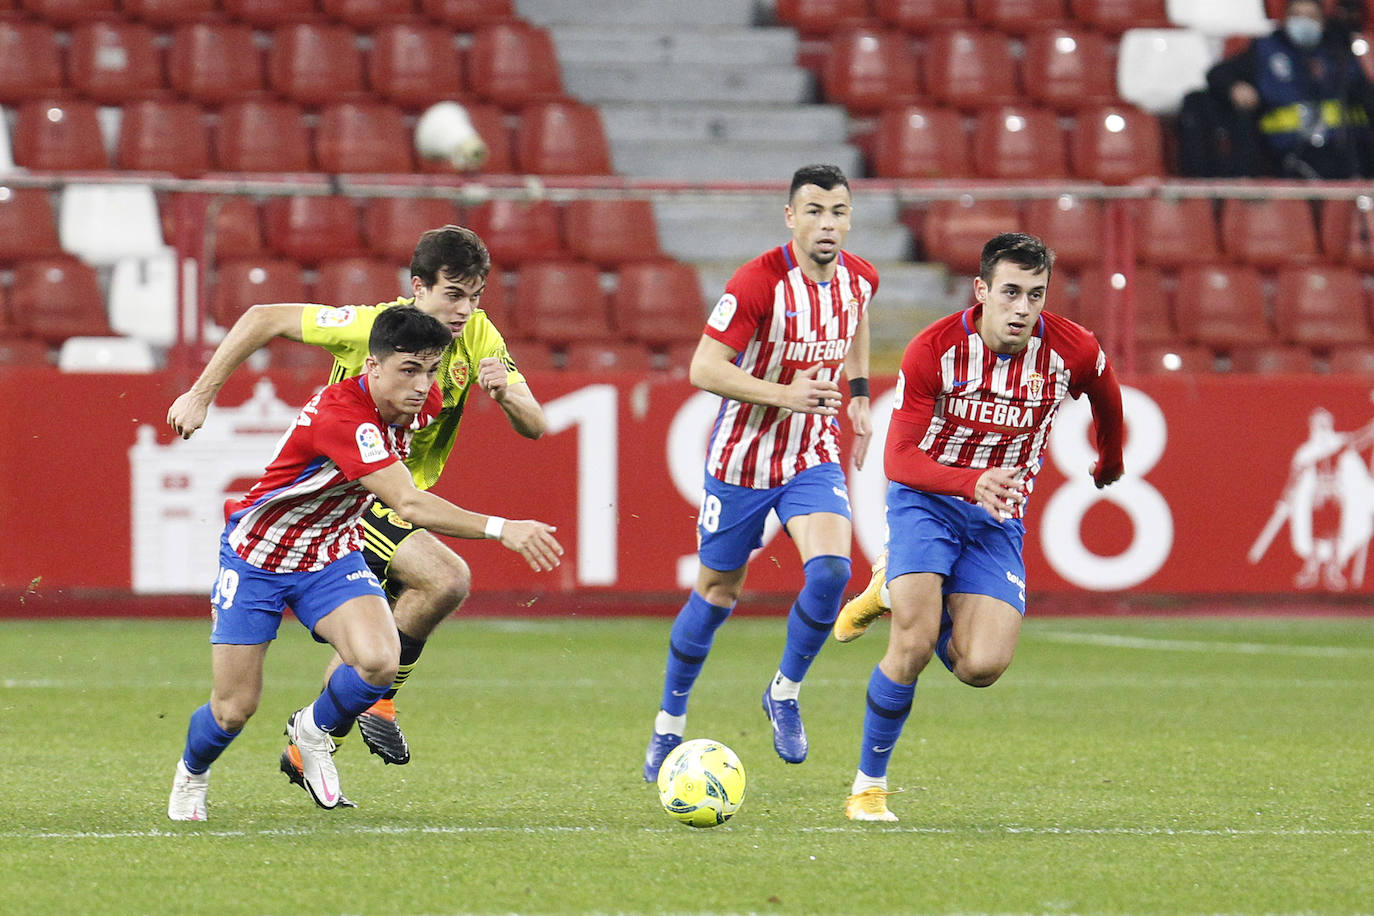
(1154, 321)
(921, 16)
(306, 361)
(30, 62)
(115, 61)
(1069, 68)
(240, 285)
(595, 356)
(315, 64)
(262, 136)
(1222, 307)
(270, 13)
(28, 225)
(1177, 230)
(367, 14)
(468, 15)
(1274, 359)
(415, 65)
(1356, 358)
(392, 225)
(362, 137)
(164, 137)
(215, 62)
(514, 65)
(22, 351)
(358, 281)
(1017, 17)
(921, 141)
(971, 68)
(313, 229)
(818, 18)
(237, 228)
(168, 12)
(56, 298)
(611, 232)
(562, 138)
(659, 303)
(1071, 225)
(1016, 141)
(70, 12)
(490, 124)
(869, 69)
(1269, 232)
(1167, 358)
(1347, 232)
(1321, 306)
(1116, 144)
(1112, 17)
(496, 300)
(518, 232)
(562, 302)
(956, 230)
(532, 355)
(59, 136)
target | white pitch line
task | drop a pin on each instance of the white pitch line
(1199, 645)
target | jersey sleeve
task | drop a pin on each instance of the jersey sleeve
(742, 309)
(351, 437)
(483, 340)
(342, 330)
(904, 461)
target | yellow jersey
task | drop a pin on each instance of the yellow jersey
(344, 332)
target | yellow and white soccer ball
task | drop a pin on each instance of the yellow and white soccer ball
(701, 783)
(445, 131)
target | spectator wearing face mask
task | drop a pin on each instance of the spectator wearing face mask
(1294, 103)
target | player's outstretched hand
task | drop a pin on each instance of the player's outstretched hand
(492, 376)
(861, 422)
(1105, 476)
(1000, 491)
(187, 414)
(534, 541)
(808, 394)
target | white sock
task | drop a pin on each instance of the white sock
(665, 724)
(885, 596)
(784, 688)
(863, 781)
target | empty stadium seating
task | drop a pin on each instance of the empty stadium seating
(817, 18)
(921, 141)
(517, 232)
(114, 62)
(1018, 142)
(1019, 16)
(59, 135)
(921, 16)
(260, 135)
(513, 65)
(392, 225)
(1222, 307)
(1269, 232)
(213, 62)
(70, 12)
(469, 15)
(1321, 306)
(28, 225)
(269, 13)
(869, 69)
(314, 64)
(561, 302)
(971, 68)
(169, 12)
(1176, 230)
(362, 137)
(358, 281)
(1347, 232)
(1272, 359)
(240, 285)
(1073, 225)
(562, 138)
(1112, 17)
(164, 136)
(415, 65)
(659, 303)
(1068, 68)
(311, 229)
(606, 356)
(56, 298)
(367, 14)
(490, 123)
(1116, 144)
(955, 231)
(1153, 309)
(611, 232)
(236, 228)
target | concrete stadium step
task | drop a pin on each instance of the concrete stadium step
(599, 83)
(739, 161)
(639, 12)
(637, 44)
(723, 123)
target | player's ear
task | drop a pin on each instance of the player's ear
(371, 365)
(980, 289)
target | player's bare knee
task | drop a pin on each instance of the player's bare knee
(377, 667)
(233, 713)
(980, 671)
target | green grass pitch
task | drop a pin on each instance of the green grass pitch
(1121, 766)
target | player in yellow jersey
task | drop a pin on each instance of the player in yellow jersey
(425, 580)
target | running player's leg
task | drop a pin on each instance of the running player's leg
(985, 601)
(815, 510)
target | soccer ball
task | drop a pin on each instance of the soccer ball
(445, 131)
(701, 783)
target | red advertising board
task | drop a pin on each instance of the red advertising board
(1235, 485)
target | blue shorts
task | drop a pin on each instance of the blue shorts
(247, 603)
(730, 521)
(976, 553)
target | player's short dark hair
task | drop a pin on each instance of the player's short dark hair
(455, 250)
(1025, 251)
(825, 177)
(406, 329)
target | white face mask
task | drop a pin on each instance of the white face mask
(1303, 32)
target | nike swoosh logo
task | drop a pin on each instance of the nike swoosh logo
(791, 314)
(959, 384)
(681, 693)
(881, 750)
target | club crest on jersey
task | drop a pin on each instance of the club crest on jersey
(331, 317)
(458, 371)
(371, 445)
(1035, 384)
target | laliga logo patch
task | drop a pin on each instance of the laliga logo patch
(1035, 383)
(330, 317)
(371, 445)
(458, 371)
(723, 312)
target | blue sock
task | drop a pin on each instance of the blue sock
(688, 645)
(942, 641)
(205, 740)
(889, 703)
(813, 613)
(344, 697)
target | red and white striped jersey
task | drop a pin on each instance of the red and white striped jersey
(973, 408)
(304, 511)
(780, 322)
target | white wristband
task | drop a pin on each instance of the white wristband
(495, 525)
